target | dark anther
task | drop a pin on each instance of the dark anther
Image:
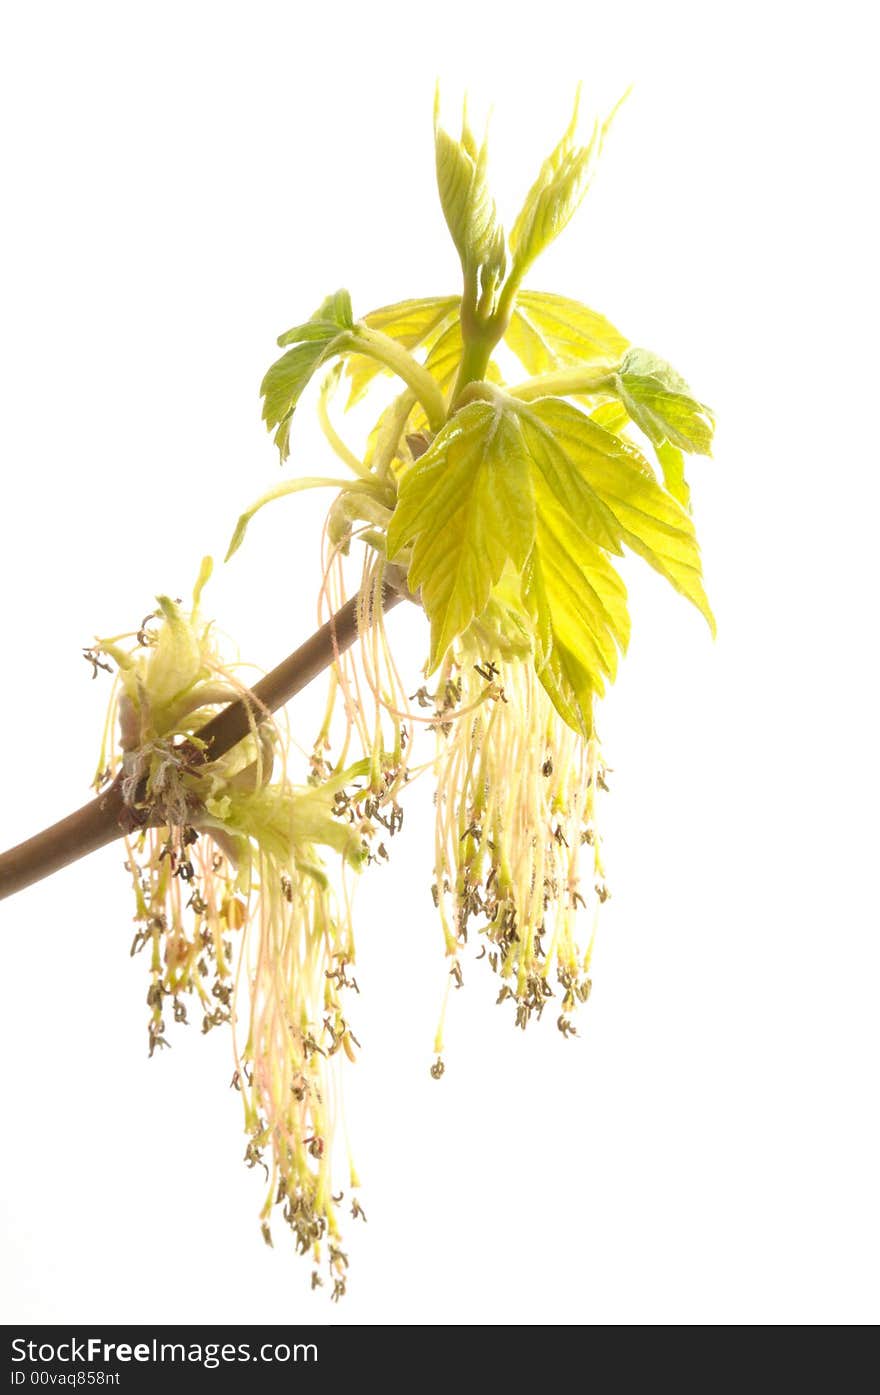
(91, 657)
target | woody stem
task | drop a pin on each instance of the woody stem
(98, 823)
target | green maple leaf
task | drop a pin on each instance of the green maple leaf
(660, 402)
(552, 331)
(547, 489)
(314, 342)
(466, 507)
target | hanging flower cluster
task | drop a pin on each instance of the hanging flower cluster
(501, 509)
(235, 908)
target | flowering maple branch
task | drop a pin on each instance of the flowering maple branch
(98, 823)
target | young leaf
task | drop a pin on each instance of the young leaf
(550, 331)
(578, 604)
(556, 194)
(313, 343)
(445, 356)
(468, 206)
(283, 385)
(503, 629)
(495, 488)
(645, 517)
(411, 322)
(556, 468)
(672, 464)
(549, 490)
(466, 506)
(561, 184)
(660, 402)
(615, 418)
(332, 315)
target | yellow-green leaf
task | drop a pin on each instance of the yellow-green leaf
(468, 206)
(647, 519)
(613, 416)
(577, 603)
(555, 462)
(503, 631)
(545, 489)
(556, 194)
(466, 507)
(660, 402)
(332, 315)
(548, 331)
(496, 491)
(672, 464)
(326, 333)
(412, 323)
(553, 198)
(444, 357)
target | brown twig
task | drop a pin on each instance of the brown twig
(98, 823)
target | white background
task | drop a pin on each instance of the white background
(182, 182)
